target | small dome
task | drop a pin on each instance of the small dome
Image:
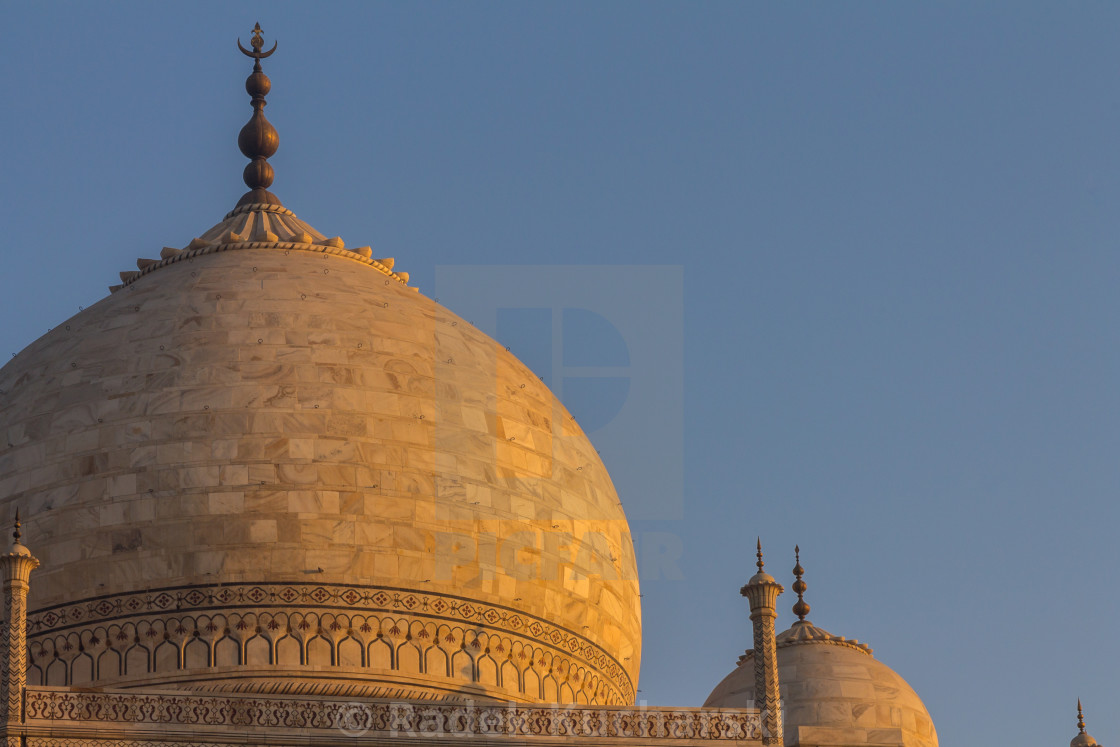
(833, 692)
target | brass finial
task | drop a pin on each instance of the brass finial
(258, 139)
(1080, 720)
(801, 608)
(16, 535)
(257, 43)
(759, 563)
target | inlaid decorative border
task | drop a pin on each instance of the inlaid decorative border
(405, 719)
(250, 597)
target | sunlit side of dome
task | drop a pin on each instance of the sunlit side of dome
(262, 467)
(265, 463)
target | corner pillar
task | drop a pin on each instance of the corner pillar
(15, 574)
(762, 593)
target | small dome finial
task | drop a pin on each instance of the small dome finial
(16, 533)
(1082, 739)
(258, 139)
(759, 554)
(801, 608)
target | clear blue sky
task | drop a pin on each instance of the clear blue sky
(897, 227)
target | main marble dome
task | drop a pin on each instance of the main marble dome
(266, 463)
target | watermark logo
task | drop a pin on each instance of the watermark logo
(355, 719)
(609, 342)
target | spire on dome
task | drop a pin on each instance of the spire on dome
(1082, 739)
(16, 535)
(258, 139)
(801, 608)
(759, 554)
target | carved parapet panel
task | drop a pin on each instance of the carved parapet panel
(229, 718)
(198, 637)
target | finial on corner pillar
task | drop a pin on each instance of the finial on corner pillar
(801, 608)
(258, 139)
(762, 593)
(15, 572)
(1080, 719)
(17, 547)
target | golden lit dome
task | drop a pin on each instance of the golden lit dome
(833, 689)
(269, 431)
(266, 463)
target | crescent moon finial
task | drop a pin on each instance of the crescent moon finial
(257, 42)
(258, 139)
